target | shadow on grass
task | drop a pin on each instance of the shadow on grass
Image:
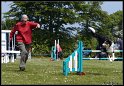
(16, 70)
(88, 73)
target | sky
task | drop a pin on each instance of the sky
(109, 6)
(112, 6)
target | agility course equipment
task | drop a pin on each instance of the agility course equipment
(118, 58)
(54, 52)
(76, 58)
(8, 49)
(74, 62)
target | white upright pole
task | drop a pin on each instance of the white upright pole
(12, 58)
(70, 63)
(55, 43)
(113, 54)
(9, 43)
(75, 61)
(6, 60)
(14, 42)
(58, 41)
(29, 55)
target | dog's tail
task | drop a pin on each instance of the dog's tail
(92, 29)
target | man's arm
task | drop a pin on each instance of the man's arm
(34, 25)
(14, 29)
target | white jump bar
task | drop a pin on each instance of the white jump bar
(100, 51)
(5, 31)
(10, 51)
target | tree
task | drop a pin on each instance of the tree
(116, 24)
(7, 24)
(92, 16)
(54, 15)
(51, 15)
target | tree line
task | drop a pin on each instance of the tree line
(54, 15)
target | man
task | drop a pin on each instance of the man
(59, 51)
(119, 42)
(24, 38)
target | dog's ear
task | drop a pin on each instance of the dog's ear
(109, 42)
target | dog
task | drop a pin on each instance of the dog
(103, 44)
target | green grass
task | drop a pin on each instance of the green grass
(43, 71)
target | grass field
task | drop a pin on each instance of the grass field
(42, 71)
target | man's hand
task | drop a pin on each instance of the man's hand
(38, 26)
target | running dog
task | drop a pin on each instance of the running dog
(104, 44)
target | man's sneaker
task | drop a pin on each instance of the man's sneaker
(22, 68)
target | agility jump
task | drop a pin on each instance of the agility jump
(7, 48)
(76, 58)
(74, 62)
(8, 51)
(56, 51)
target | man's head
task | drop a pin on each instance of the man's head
(24, 18)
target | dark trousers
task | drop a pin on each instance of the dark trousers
(24, 49)
(60, 55)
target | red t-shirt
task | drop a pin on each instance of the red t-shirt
(24, 32)
(59, 48)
